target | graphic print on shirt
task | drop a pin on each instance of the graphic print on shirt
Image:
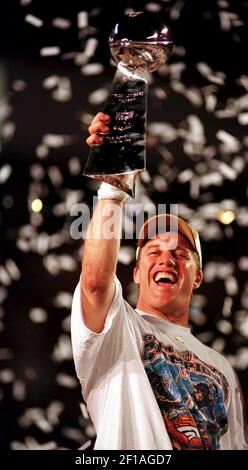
(190, 393)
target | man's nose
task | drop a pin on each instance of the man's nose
(166, 258)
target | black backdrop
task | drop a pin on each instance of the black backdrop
(197, 157)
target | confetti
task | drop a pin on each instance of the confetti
(42, 151)
(5, 110)
(176, 9)
(62, 350)
(243, 263)
(231, 143)
(153, 7)
(243, 81)
(231, 285)
(7, 376)
(8, 130)
(13, 270)
(55, 176)
(241, 359)
(90, 47)
(63, 91)
(244, 297)
(50, 82)
(227, 307)
(82, 19)
(219, 344)
(4, 276)
(33, 20)
(66, 324)
(61, 23)
(49, 51)
(227, 20)
(25, 2)
(163, 130)
(54, 411)
(241, 322)
(84, 411)
(5, 172)
(19, 390)
(243, 119)
(90, 431)
(31, 444)
(38, 315)
(66, 381)
(86, 445)
(92, 69)
(224, 326)
(74, 434)
(197, 317)
(57, 140)
(74, 166)
(98, 96)
(126, 255)
(63, 300)
(185, 176)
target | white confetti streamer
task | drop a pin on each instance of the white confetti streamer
(50, 82)
(5, 172)
(19, 390)
(34, 20)
(62, 350)
(63, 300)
(61, 23)
(92, 69)
(50, 51)
(7, 376)
(38, 315)
(82, 19)
(66, 380)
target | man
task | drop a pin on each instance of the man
(148, 382)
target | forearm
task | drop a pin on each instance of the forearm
(102, 244)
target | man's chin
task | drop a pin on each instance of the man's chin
(166, 303)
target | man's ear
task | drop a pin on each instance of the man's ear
(198, 279)
(136, 276)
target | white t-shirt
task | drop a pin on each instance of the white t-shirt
(150, 384)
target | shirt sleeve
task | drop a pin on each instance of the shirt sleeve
(87, 345)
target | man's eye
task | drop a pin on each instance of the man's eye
(181, 254)
(153, 252)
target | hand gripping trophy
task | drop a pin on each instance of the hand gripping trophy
(140, 43)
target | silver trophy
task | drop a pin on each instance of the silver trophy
(140, 43)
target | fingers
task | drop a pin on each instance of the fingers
(94, 140)
(98, 125)
(101, 117)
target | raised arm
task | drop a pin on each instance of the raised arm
(101, 248)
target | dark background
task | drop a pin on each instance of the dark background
(205, 87)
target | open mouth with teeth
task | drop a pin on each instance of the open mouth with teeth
(165, 278)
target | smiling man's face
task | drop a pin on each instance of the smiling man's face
(167, 273)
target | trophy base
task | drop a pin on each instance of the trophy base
(123, 181)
